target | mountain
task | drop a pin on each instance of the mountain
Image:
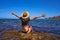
(54, 17)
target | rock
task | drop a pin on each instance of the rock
(31, 36)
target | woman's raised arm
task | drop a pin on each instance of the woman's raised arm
(43, 15)
(15, 14)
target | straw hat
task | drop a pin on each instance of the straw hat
(25, 15)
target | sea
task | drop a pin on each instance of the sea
(38, 25)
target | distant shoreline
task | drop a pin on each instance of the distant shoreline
(54, 18)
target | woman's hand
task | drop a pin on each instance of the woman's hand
(42, 15)
(15, 14)
(12, 13)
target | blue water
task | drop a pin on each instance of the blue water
(39, 25)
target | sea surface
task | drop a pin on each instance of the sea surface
(39, 25)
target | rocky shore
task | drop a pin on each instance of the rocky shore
(31, 36)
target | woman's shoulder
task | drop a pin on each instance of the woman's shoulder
(20, 18)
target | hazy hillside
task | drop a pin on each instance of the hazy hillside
(54, 17)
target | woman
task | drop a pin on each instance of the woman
(25, 19)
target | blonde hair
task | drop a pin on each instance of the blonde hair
(25, 14)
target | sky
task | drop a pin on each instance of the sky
(35, 7)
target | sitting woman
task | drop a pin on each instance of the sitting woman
(25, 20)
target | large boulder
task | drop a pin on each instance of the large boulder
(31, 36)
